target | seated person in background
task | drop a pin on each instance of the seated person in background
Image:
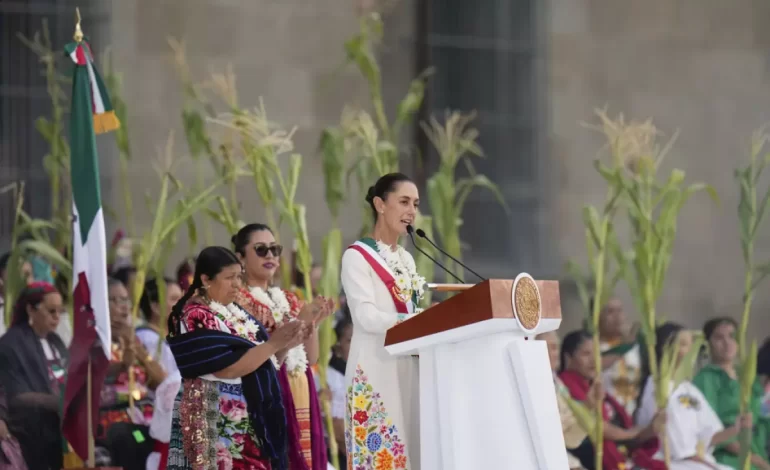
(125, 412)
(33, 364)
(26, 274)
(692, 427)
(336, 382)
(718, 381)
(577, 372)
(621, 355)
(579, 449)
(151, 332)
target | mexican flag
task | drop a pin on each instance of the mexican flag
(91, 344)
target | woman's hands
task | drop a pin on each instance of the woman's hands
(126, 345)
(313, 313)
(286, 335)
(4, 433)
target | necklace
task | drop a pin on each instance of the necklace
(239, 321)
(409, 283)
(275, 299)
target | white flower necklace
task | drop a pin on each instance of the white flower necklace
(275, 299)
(404, 271)
(234, 316)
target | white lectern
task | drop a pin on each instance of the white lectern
(487, 399)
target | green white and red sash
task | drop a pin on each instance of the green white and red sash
(368, 249)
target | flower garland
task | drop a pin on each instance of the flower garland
(404, 271)
(275, 299)
(240, 321)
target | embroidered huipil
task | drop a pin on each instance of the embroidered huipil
(382, 416)
(214, 408)
(621, 380)
(690, 427)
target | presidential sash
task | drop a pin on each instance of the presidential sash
(383, 271)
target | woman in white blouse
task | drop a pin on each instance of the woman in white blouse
(693, 428)
(382, 289)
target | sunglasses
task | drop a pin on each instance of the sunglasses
(263, 250)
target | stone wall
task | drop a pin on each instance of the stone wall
(696, 66)
(700, 67)
(289, 52)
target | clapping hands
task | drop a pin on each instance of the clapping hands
(290, 335)
(315, 312)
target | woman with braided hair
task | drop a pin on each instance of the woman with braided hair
(229, 413)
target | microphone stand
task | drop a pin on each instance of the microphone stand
(410, 231)
(421, 234)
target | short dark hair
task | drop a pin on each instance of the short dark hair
(124, 274)
(151, 295)
(710, 327)
(384, 186)
(570, 344)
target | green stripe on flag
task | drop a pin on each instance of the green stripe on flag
(84, 167)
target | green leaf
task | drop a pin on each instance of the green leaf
(685, 371)
(46, 251)
(333, 162)
(411, 103)
(576, 273)
(592, 222)
(466, 185)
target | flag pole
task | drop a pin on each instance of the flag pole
(89, 414)
(78, 37)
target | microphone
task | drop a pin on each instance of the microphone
(410, 231)
(421, 233)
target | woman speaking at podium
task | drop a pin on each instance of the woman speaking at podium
(382, 288)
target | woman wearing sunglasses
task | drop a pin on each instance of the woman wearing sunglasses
(259, 253)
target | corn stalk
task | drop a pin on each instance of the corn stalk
(57, 161)
(375, 139)
(199, 143)
(262, 144)
(29, 237)
(685, 370)
(652, 210)
(455, 143)
(113, 82)
(153, 247)
(167, 217)
(751, 212)
(333, 157)
(601, 243)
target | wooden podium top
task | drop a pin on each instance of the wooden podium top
(484, 301)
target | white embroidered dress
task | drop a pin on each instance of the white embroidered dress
(382, 416)
(691, 424)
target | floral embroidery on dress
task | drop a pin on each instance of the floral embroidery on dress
(198, 317)
(372, 439)
(235, 432)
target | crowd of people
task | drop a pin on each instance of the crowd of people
(223, 372)
(141, 407)
(701, 421)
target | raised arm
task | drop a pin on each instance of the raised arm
(358, 283)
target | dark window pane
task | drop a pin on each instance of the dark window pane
(484, 56)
